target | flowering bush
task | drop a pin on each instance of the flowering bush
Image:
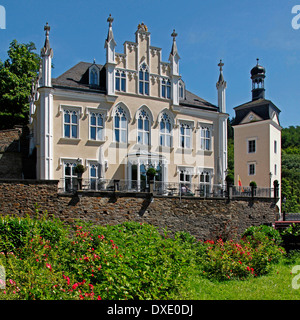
(127, 261)
(251, 257)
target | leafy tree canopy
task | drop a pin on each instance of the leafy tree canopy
(16, 75)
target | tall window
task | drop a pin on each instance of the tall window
(251, 169)
(70, 176)
(144, 80)
(120, 81)
(165, 132)
(275, 146)
(166, 89)
(185, 181)
(93, 176)
(251, 146)
(185, 135)
(70, 124)
(94, 77)
(204, 184)
(143, 128)
(96, 126)
(205, 138)
(120, 125)
(181, 90)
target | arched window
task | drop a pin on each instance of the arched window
(120, 125)
(205, 138)
(181, 90)
(165, 130)
(144, 127)
(185, 135)
(144, 80)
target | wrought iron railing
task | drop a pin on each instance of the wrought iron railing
(160, 188)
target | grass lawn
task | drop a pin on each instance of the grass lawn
(277, 285)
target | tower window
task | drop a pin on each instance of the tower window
(251, 169)
(251, 146)
(275, 146)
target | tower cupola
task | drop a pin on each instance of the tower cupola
(258, 74)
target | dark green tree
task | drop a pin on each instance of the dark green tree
(16, 76)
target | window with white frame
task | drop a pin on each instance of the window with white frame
(205, 138)
(185, 135)
(251, 169)
(120, 81)
(143, 128)
(93, 175)
(70, 177)
(205, 184)
(120, 125)
(96, 126)
(166, 89)
(144, 80)
(71, 121)
(185, 180)
(165, 131)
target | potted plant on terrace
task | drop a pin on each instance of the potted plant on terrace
(253, 186)
(151, 173)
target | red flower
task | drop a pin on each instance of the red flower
(240, 262)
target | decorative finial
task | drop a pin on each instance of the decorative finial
(47, 29)
(110, 19)
(221, 64)
(142, 27)
(94, 60)
(174, 34)
(257, 61)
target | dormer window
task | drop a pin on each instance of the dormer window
(144, 80)
(94, 76)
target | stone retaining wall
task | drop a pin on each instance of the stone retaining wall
(203, 218)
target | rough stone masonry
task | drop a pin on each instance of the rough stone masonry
(203, 218)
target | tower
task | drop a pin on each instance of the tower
(257, 138)
(221, 87)
(174, 64)
(45, 150)
(110, 45)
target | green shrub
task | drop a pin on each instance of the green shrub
(262, 231)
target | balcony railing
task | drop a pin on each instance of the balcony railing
(159, 188)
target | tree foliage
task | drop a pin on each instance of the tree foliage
(16, 75)
(290, 165)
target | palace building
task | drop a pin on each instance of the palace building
(129, 114)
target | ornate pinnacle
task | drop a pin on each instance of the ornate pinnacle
(221, 64)
(47, 29)
(174, 34)
(257, 61)
(110, 19)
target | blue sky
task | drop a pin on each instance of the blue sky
(236, 31)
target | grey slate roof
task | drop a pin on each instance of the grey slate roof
(262, 107)
(77, 78)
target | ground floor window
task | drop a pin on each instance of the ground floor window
(185, 181)
(70, 177)
(205, 184)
